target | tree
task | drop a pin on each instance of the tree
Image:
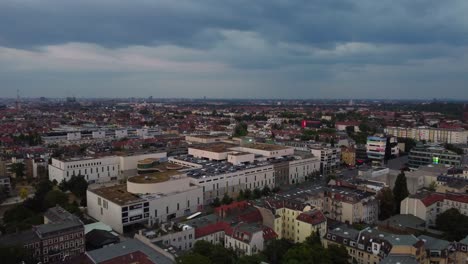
(432, 187)
(15, 254)
(193, 258)
(18, 169)
(338, 254)
(350, 130)
(307, 254)
(400, 190)
(240, 196)
(276, 250)
(55, 197)
(240, 130)
(226, 199)
(247, 194)
(453, 223)
(216, 202)
(254, 259)
(23, 193)
(76, 184)
(257, 193)
(266, 191)
(386, 202)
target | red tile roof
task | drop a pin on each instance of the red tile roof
(312, 217)
(432, 198)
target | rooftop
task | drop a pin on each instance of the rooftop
(117, 194)
(215, 147)
(155, 177)
(130, 246)
(267, 147)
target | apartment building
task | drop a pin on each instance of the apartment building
(248, 238)
(330, 158)
(99, 168)
(430, 134)
(291, 220)
(427, 205)
(375, 246)
(376, 146)
(60, 238)
(350, 205)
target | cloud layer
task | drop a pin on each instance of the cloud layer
(235, 48)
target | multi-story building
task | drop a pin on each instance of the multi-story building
(68, 136)
(428, 205)
(59, 239)
(350, 205)
(430, 134)
(99, 169)
(376, 146)
(248, 238)
(222, 168)
(432, 154)
(342, 126)
(149, 198)
(291, 220)
(375, 246)
(5, 184)
(330, 158)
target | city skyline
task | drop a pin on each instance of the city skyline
(263, 49)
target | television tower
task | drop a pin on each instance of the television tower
(17, 103)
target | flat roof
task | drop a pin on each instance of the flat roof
(219, 147)
(155, 177)
(267, 147)
(117, 194)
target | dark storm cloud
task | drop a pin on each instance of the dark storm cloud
(26, 23)
(235, 48)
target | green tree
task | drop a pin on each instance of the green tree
(400, 190)
(307, 254)
(15, 254)
(226, 199)
(240, 130)
(216, 202)
(432, 187)
(193, 258)
(240, 196)
(386, 202)
(76, 184)
(18, 169)
(257, 193)
(276, 250)
(338, 254)
(55, 197)
(453, 223)
(266, 191)
(247, 194)
(254, 259)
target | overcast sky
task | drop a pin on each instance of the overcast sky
(234, 48)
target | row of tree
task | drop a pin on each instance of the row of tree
(278, 251)
(245, 195)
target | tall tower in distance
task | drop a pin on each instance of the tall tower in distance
(17, 103)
